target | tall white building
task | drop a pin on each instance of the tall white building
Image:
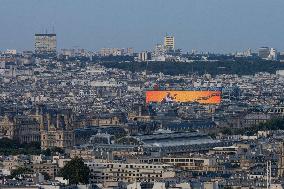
(45, 44)
(143, 56)
(159, 53)
(273, 54)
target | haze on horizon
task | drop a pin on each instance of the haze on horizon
(204, 25)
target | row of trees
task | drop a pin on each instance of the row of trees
(213, 68)
(14, 147)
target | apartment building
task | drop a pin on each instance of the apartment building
(198, 164)
(102, 172)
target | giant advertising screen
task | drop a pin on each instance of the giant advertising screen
(202, 97)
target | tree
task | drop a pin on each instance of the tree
(14, 147)
(47, 152)
(46, 175)
(226, 66)
(76, 171)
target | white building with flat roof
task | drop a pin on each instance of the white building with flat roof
(102, 172)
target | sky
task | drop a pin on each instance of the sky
(204, 25)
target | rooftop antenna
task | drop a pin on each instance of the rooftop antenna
(53, 30)
(45, 31)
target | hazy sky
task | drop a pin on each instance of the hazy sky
(205, 25)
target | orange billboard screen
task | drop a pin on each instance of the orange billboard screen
(202, 97)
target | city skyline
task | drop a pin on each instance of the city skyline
(124, 94)
(215, 26)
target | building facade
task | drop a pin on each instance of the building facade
(264, 52)
(45, 44)
(57, 138)
(169, 42)
(102, 172)
(143, 56)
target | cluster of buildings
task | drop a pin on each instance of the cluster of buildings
(249, 162)
(268, 53)
(100, 114)
(46, 46)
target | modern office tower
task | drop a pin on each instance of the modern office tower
(263, 52)
(169, 42)
(45, 44)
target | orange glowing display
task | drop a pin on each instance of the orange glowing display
(202, 97)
